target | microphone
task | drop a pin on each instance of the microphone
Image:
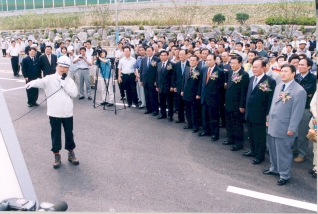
(64, 76)
(61, 206)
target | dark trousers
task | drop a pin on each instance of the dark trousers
(257, 135)
(129, 84)
(210, 119)
(15, 65)
(56, 133)
(120, 85)
(32, 93)
(175, 101)
(4, 52)
(235, 127)
(180, 107)
(192, 113)
(166, 99)
(222, 108)
(151, 97)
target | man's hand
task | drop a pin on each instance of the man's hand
(171, 89)
(175, 89)
(197, 97)
(242, 110)
(63, 83)
(290, 133)
(29, 85)
(119, 79)
(181, 93)
(26, 79)
(267, 123)
(314, 122)
(141, 84)
(157, 89)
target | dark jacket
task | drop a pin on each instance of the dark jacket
(211, 92)
(31, 69)
(148, 74)
(165, 78)
(191, 86)
(178, 75)
(309, 84)
(258, 102)
(235, 95)
(45, 66)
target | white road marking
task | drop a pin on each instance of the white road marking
(273, 198)
(13, 89)
(11, 79)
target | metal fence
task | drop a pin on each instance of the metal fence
(18, 5)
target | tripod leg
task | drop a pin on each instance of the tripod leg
(96, 81)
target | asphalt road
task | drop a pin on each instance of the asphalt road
(131, 162)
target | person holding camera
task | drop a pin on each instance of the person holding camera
(83, 62)
(105, 72)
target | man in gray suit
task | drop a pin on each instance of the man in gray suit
(286, 112)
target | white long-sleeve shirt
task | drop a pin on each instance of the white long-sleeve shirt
(61, 103)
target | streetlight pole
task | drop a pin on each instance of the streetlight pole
(116, 18)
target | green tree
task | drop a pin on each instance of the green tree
(242, 18)
(218, 18)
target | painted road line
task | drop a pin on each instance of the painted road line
(10, 79)
(273, 198)
(13, 89)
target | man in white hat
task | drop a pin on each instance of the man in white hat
(302, 49)
(60, 91)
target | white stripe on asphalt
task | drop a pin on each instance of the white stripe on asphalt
(10, 79)
(273, 198)
(13, 89)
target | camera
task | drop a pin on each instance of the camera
(97, 51)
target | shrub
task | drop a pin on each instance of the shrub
(260, 31)
(218, 18)
(141, 27)
(242, 18)
(303, 29)
(54, 31)
(231, 28)
(240, 29)
(279, 20)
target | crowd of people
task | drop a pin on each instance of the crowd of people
(214, 83)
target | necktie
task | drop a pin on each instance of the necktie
(49, 58)
(203, 64)
(300, 78)
(163, 67)
(208, 76)
(283, 88)
(182, 68)
(255, 83)
(148, 62)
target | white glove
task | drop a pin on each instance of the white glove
(63, 83)
(29, 85)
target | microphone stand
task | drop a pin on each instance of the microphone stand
(96, 82)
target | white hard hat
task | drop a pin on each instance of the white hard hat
(64, 61)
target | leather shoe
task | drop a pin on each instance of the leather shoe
(187, 127)
(161, 117)
(236, 148)
(214, 137)
(35, 104)
(170, 119)
(147, 112)
(103, 103)
(179, 121)
(89, 98)
(203, 134)
(141, 107)
(282, 182)
(248, 154)
(257, 161)
(194, 130)
(267, 172)
(227, 143)
(128, 106)
(80, 98)
(110, 104)
(154, 113)
(30, 105)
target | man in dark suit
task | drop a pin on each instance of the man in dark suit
(235, 101)
(190, 92)
(164, 85)
(308, 81)
(31, 71)
(258, 102)
(179, 71)
(27, 48)
(212, 82)
(148, 72)
(48, 62)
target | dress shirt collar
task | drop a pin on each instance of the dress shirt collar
(212, 68)
(287, 84)
(235, 72)
(303, 76)
(259, 77)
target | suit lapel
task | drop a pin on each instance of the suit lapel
(289, 89)
(186, 74)
(230, 82)
(205, 72)
(261, 81)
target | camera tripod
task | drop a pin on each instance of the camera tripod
(106, 82)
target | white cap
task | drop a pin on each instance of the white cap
(188, 34)
(302, 42)
(64, 61)
(70, 48)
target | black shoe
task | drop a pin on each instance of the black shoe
(311, 171)
(267, 172)
(214, 137)
(203, 134)
(227, 143)
(314, 175)
(187, 127)
(141, 107)
(128, 106)
(89, 98)
(92, 87)
(155, 113)
(257, 161)
(179, 121)
(236, 148)
(281, 182)
(194, 130)
(137, 105)
(161, 117)
(122, 98)
(147, 112)
(110, 104)
(80, 98)
(248, 154)
(35, 104)
(103, 103)
(30, 105)
(170, 119)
